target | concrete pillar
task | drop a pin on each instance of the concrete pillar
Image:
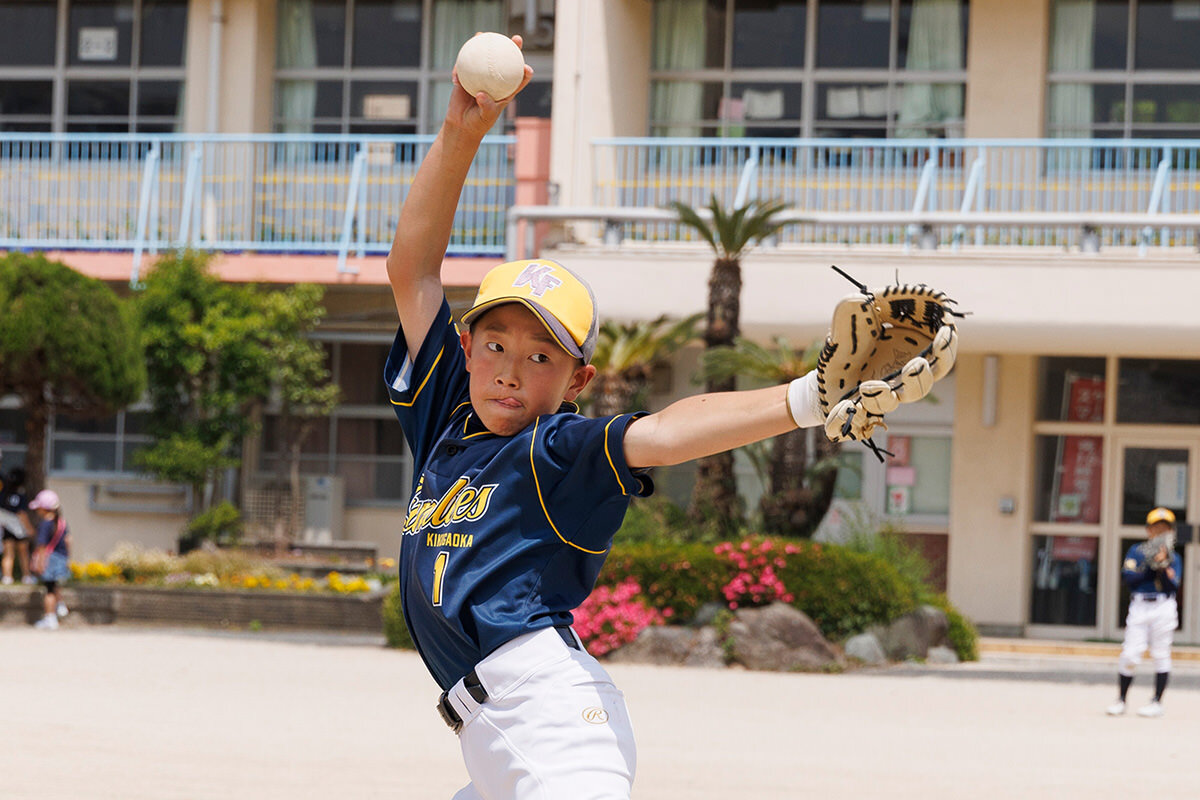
(601, 85)
(246, 74)
(533, 175)
(1007, 53)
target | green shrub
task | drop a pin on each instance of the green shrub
(677, 579)
(844, 592)
(657, 519)
(225, 564)
(394, 630)
(963, 635)
(221, 524)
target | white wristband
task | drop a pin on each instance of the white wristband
(804, 401)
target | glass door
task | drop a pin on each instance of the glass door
(1150, 474)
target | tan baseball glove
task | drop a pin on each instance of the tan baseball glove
(885, 347)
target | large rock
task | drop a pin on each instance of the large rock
(911, 635)
(865, 647)
(780, 638)
(671, 646)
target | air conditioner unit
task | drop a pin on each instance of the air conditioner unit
(324, 504)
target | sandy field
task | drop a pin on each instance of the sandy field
(132, 713)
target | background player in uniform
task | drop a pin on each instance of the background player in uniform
(516, 498)
(1153, 581)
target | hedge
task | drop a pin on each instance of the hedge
(843, 592)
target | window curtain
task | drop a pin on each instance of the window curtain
(679, 38)
(297, 49)
(934, 44)
(1071, 111)
(455, 21)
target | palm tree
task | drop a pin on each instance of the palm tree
(625, 358)
(800, 466)
(731, 235)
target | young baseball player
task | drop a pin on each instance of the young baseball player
(1153, 580)
(516, 497)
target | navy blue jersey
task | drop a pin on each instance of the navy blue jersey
(47, 532)
(504, 534)
(1143, 580)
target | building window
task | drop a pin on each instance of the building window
(1069, 479)
(121, 70)
(1158, 391)
(1071, 389)
(97, 446)
(383, 66)
(917, 476)
(360, 441)
(12, 435)
(787, 68)
(1064, 580)
(1124, 68)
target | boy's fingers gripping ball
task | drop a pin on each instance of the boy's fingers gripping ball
(491, 63)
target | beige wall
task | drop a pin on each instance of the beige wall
(1007, 48)
(988, 558)
(601, 64)
(94, 534)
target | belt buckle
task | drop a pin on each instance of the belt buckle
(449, 715)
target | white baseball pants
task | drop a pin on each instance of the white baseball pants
(1149, 624)
(554, 726)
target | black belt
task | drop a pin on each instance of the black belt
(475, 688)
(1154, 598)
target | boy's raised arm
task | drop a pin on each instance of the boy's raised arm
(705, 424)
(414, 264)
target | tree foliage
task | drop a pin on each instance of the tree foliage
(626, 356)
(214, 351)
(800, 467)
(68, 344)
(731, 235)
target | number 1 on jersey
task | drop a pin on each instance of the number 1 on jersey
(439, 575)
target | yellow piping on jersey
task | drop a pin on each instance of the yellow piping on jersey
(608, 455)
(422, 386)
(537, 485)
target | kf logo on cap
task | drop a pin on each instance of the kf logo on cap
(539, 277)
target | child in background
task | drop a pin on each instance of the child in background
(50, 560)
(15, 526)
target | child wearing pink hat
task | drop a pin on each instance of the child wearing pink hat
(51, 557)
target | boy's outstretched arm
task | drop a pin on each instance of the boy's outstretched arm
(414, 264)
(704, 424)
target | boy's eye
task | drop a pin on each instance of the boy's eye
(540, 358)
(494, 347)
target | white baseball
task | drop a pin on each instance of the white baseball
(492, 63)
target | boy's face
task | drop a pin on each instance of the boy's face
(1158, 529)
(518, 371)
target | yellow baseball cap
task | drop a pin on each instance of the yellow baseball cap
(1160, 515)
(561, 299)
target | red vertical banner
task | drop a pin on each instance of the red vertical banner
(1079, 480)
(1085, 399)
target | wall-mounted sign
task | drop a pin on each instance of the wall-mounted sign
(1170, 485)
(386, 106)
(898, 500)
(97, 44)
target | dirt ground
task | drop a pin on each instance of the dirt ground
(135, 713)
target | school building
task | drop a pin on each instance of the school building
(1039, 160)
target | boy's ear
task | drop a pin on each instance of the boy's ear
(464, 339)
(579, 380)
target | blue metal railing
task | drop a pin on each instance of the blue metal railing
(277, 193)
(342, 194)
(1002, 176)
